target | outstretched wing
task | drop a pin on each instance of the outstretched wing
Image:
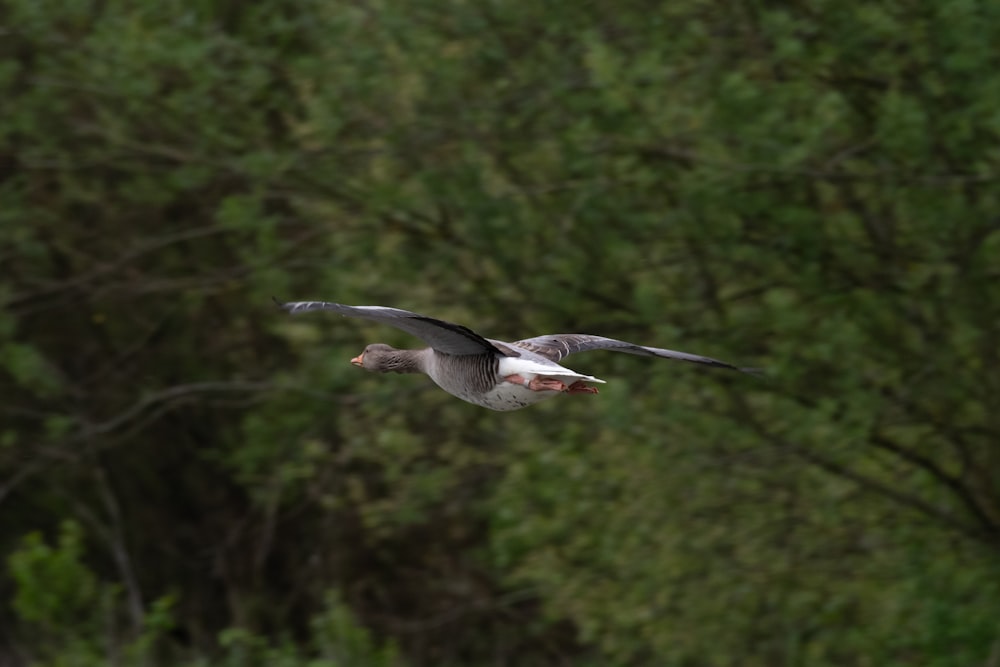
(442, 336)
(559, 346)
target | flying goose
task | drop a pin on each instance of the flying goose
(491, 373)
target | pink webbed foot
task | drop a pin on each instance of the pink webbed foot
(580, 387)
(537, 384)
(546, 384)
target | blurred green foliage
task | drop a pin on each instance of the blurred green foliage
(75, 620)
(809, 188)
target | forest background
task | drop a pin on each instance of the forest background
(190, 477)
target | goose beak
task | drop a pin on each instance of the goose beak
(359, 360)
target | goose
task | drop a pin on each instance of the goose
(490, 373)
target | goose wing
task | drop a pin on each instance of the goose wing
(445, 337)
(559, 346)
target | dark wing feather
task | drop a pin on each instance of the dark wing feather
(442, 336)
(559, 346)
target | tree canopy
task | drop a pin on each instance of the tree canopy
(189, 476)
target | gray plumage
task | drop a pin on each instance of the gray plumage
(472, 374)
(440, 335)
(559, 346)
(492, 373)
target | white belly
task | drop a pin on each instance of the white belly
(509, 396)
(529, 369)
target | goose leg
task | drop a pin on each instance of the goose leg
(580, 387)
(537, 383)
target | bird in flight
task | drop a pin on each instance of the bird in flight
(491, 373)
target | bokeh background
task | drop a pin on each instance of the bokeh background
(190, 477)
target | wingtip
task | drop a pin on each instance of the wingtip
(278, 303)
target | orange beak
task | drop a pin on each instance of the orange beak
(358, 360)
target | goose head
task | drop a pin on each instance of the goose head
(382, 358)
